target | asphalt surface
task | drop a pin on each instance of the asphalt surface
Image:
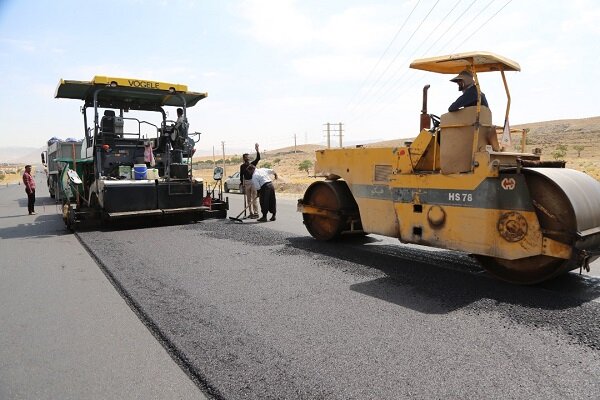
(254, 311)
(65, 332)
(262, 311)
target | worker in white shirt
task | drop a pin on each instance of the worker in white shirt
(266, 191)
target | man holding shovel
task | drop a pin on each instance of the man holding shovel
(266, 191)
(246, 178)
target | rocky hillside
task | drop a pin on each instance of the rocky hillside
(576, 140)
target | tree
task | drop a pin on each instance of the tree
(560, 152)
(579, 148)
(305, 165)
(235, 160)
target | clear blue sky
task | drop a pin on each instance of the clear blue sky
(275, 69)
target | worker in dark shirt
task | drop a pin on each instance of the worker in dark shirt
(29, 183)
(466, 84)
(246, 181)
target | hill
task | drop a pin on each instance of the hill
(20, 155)
(578, 136)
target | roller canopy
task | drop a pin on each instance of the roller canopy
(455, 63)
(128, 93)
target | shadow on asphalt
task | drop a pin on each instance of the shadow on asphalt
(38, 226)
(39, 202)
(441, 281)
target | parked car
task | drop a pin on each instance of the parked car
(233, 183)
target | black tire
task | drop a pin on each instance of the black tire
(225, 188)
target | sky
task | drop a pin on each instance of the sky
(277, 71)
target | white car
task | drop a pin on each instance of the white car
(233, 183)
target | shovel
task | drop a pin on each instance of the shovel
(238, 219)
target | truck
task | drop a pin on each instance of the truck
(58, 149)
(525, 219)
(135, 160)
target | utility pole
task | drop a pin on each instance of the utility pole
(223, 148)
(294, 143)
(339, 133)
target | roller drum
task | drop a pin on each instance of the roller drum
(567, 204)
(337, 211)
(573, 198)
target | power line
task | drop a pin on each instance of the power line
(399, 83)
(450, 27)
(486, 21)
(407, 82)
(383, 54)
(404, 72)
(398, 53)
(468, 24)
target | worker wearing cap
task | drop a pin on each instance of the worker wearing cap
(466, 84)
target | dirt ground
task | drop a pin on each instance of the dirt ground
(579, 139)
(285, 162)
(580, 136)
(10, 178)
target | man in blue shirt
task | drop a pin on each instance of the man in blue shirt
(466, 84)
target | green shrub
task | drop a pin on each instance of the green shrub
(305, 165)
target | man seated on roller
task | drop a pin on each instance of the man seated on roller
(466, 84)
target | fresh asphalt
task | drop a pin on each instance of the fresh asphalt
(259, 311)
(255, 311)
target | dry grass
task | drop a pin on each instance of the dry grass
(15, 176)
(10, 179)
(284, 161)
(570, 133)
(545, 135)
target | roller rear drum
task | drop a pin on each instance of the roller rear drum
(330, 210)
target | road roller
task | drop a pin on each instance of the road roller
(456, 186)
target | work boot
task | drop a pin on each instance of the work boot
(272, 218)
(262, 219)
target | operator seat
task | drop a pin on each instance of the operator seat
(107, 124)
(457, 134)
(107, 128)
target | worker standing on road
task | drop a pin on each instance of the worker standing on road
(29, 183)
(266, 191)
(246, 181)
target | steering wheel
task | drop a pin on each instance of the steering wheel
(435, 120)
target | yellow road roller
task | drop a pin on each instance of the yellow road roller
(455, 187)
